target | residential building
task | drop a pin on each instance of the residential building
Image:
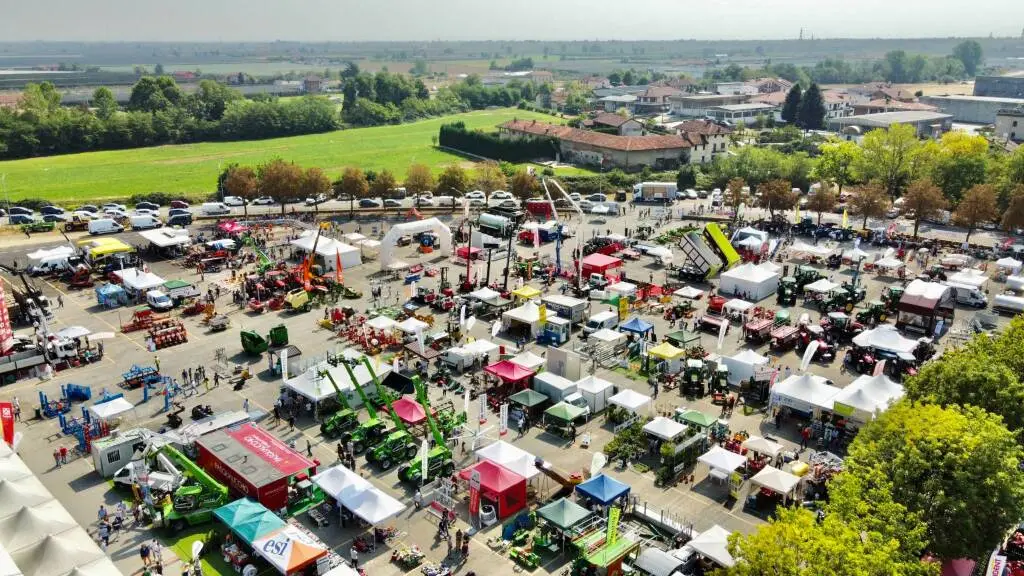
(747, 113)
(1010, 124)
(999, 86)
(736, 88)
(616, 101)
(613, 151)
(888, 105)
(9, 99)
(697, 105)
(973, 109)
(312, 85)
(772, 85)
(878, 91)
(623, 126)
(926, 124)
(837, 104)
(716, 135)
(655, 99)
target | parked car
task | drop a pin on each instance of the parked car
(234, 201)
(148, 206)
(477, 202)
(597, 198)
(146, 212)
(180, 219)
(21, 219)
(702, 194)
(177, 211)
(507, 204)
(476, 194)
(501, 195)
(114, 206)
(392, 203)
(90, 208)
(576, 197)
(369, 203)
(179, 204)
(691, 194)
(54, 218)
(319, 199)
(263, 201)
(344, 197)
(51, 210)
(115, 213)
(21, 210)
(423, 201)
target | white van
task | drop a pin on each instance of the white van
(157, 300)
(968, 295)
(104, 226)
(607, 319)
(145, 222)
(49, 266)
(214, 208)
(447, 201)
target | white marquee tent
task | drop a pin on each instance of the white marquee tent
(742, 364)
(763, 446)
(969, 277)
(595, 391)
(664, 428)
(484, 294)
(804, 392)
(167, 237)
(1011, 265)
(807, 249)
(137, 281)
(866, 396)
(328, 250)
(689, 292)
(713, 544)
(310, 385)
(528, 313)
(886, 338)
(111, 408)
(723, 460)
(778, 481)
(508, 456)
(358, 495)
(752, 282)
(630, 400)
(821, 286)
(528, 360)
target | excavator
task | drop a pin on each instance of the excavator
(194, 502)
(367, 433)
(342, 421)
(439, 458)
(399, 445)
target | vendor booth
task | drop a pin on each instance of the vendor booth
(598, 263)
(136, 282)
(737, 309)
(485, 294)
(806, 394)
(111, 409)
(316, 388)
(705, 424)
(525, 321)
(357, 495)
(563, 515)
(636, 326)
(713, 544)
(749, 282)
(689, 293)
(670, 355)
(603, 490)
(664, 429)
(776, 481)
(111, 296)
(595, 392)
(630, 400)
(821, 287)
(890, 266)
(508, 456)
(763, 446)
(167, 240)
(290, 550)
(555, 387)
(527, 401)
(923, 305)
(742, 365)
(503, 488)
(248, 521)
(513, 377)
(328, 251)
(528, 360)
(562, 416)
(885, 338)
(866, 397)
(721, 463)
(621, 290)
(525, 293)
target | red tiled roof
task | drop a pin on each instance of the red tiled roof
(597, 139)
(773, 98)
(609, 119)
(9, 99)
(702, 127)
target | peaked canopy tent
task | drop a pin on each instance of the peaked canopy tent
(608, 337)
(529, 399)
(510, 457)
(58, 554)
(409, 410)
(528, 360)
(719, 458)
(598, 263)
(595, 392)
(499, 485)
(526, 292)
(289, 549)
(390, 241)
(750, 282)
(136, 281)
(381, 323)
(564, 412)
(31, 523)
(664, 428)
(509, 372)
(248, 519)
(885, 338)
(776, 480)
(866, 396)
(328, 251)
(1011, 265)
(889, 264)
(969, 277)
(803, 248)
(821, 286)
(111, 408)
(804, 393)
(738, 308)
(636, 326)
(341, 483)
(696, 418)
(743, 364)
(310, 385)
(689, 292)
(358, 495)
(630, 400)
(412, 325)
(713, 544)
(528, 315)
(563, 514)
(666, 351)
(485, 294)
(763, 446)
(111, 295)
(603, 489)
(166, 237)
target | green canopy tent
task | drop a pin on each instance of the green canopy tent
(705, 423)
(683, 338)
(563, 514)
(249, 520)
(560, 417)
(530, 400)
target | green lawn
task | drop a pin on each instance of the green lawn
(193, 168)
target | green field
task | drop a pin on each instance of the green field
(192, 169)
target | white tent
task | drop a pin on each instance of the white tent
(57, 555)
(1011, 264)
(73, 332)
(776, 480)
(369, 248)
(753, 282)
(741, 365)
(889, 263)
(13, 468)
(689, 292)
(528, 360)
(664, 428)
(866, 396)
(969, 277)
(412, 325)
(553, 386)
(310, 385)
(328, 250)
(857, 255)
(528, 313)
(719, 458)
(62, 251)
(751, 243)
(166, 237)
(354, 238)
(886, 338)
(958, 260)
(738, 307)
(508, 456)
(713, 544)
(381, 323)
(622, 289)
(138, 281)
(805, 248)
(742, 235)
(31, 523)
(373, 506)
(607, 336)
(444, 233)
(484, 294)
(14, 494)
(822, 286)
(595, 391)
(763, 446)
(630, 400)
(111, 408)
(661, 253)
(340, 483)
(99, 567)
(804, 392)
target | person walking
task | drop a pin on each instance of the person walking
(245, 406)
(353, 555)
(309, 449)
(156, 362)
(63, 455)
(805, 436)
(60, 301)
(156, 552)
(17, 408)
(291, 421)
(56, 457)
(341, 451)
(144, 553)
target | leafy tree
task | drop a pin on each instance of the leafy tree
(969, 52)
(490, 178)
(687, 177)
(241, 181)
(960, 163)
(870, 202)
(313, 183)
(104, 102)
(925, 200)
(158, 69)
(40, 100)
(281, 180)
(384, 182)
(151, 94)
(777, 195)
(353, 182)
(956, 467)
(524, 185)
(791, 108)
(419, 179)
(977, 207)
(887, 155)
(823, 200)
(865, 501)
(735, 195)
(811, 114)
(211, 100)
(453, 181)
(1013, 218)
(838, 161)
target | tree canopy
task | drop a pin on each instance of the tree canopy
(978, 207)
(924, 199)
(838, 161)
(870, 201)
(887, 155)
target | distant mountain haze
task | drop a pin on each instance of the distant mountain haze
(396, 20)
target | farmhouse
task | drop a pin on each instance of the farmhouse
(608, 150)
(655, 99)
(622, 126)
(715, 134)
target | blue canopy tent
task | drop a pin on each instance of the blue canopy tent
(248, 519)
(603, 489)
(111, 296)
(637, 326)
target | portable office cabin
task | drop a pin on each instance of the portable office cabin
(553, 386)
(112, 453)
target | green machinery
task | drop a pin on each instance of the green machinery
(786, 294)
(399, 445)
(369, 432)
(439, 458)
(194, 502)
(254, 344)
(891, 297)
(265, 263)
(344, 420)
(805, 275)
(874, 314)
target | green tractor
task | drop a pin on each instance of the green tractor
(397, 446)
(854, 292)
(876, 313)
(369, 432)
(439, 458)
(786, 294)
(805, 275)
(891, 297)
(338, 425)
(254, 344)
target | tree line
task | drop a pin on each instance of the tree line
(158, 112)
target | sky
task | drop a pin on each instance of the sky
(385, 20)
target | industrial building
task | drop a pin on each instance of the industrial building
(973, 109)
(999, 86)
(1010, 124)
(926, 124)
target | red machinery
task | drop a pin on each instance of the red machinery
(716, 305)
(142, 318)
(168, 332)
(785, 337)
(82, 278)
(757, 330)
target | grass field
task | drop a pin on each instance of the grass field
(192, 169)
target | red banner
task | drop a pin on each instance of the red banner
(6, 332)
(7, 421)
(270, 449)
(474, 501)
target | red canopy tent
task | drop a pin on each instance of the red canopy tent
(467, 253)
(509, 372)
(598, 263)
(499, 485)
(409, 410)
(231, 227)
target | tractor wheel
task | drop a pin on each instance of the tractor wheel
(177, 526)
(849, 307)
(385, 463)
(358, 447)
(882, 317)
(410, 452)
(447, 469)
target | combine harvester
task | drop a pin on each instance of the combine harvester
(709, 252)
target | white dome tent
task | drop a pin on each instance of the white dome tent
(388, 244)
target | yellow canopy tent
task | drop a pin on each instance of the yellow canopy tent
(527, 292)
(666, 351)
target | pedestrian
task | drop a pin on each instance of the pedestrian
(245, 406)
(216, 383)
(156, 362)
(17, 407)
(144, 552)
(291, 421)
(155, 550)
(101, 514)
(417, 499)
(185, 377)
(103, 532)
(805, 436)
(206, 385)
(277, 411)
(572, 431)
(56, 457)
(341, 452)
(448, 541)
(309, 449)
(60, 300)
(63, 454)
(354, 555)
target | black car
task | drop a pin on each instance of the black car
(147, 206)
(22, 219)
(90, 208)
(177, 211)
(20, 210)
(54, 218)
(179, 220)
(51, 210)
(369, 203)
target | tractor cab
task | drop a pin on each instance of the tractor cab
(891, 297)
(424, 296)
(861, 360)
(875, 313)
(720, 381)
(786, 294)
(854, 293)
(693, 378)
(840, 327)
(805, 275)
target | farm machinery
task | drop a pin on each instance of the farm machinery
(344, 420)
(142, 318)
(371, 430)
(439, 458)
(254, 344)
(398, 445)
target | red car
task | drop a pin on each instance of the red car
(179, 204)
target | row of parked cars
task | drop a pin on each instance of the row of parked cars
(110, 217)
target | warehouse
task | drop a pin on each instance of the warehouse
(972, 109)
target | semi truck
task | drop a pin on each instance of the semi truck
(655, 192)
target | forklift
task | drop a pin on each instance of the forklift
(371, 430)
(398, 445)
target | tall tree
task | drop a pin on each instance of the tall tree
(241, 181)
(956, 467)
(353, 182)
(687, 177)
(490, 178)
(736, 195)
(961, 163)
(453, 182)
(314, 183)
(1013, 218)
(776, 195)
(791, 108)
(969, 52)
(40, 100)
(870, 202)
(419, 179)
(104, 102)
(838, 162)
(811, 114)
(887, 155)
(978, 207)
(924, 199)
(384, 182)
(822, 200)
(280, 180)
(524, 185)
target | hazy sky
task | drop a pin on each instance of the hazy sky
(340, 20)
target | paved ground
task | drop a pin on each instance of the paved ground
(82, 490)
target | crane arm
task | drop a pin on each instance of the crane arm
(341, 397)
(384, 397)
(421, 395)
(193, 469)
(359, 390)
